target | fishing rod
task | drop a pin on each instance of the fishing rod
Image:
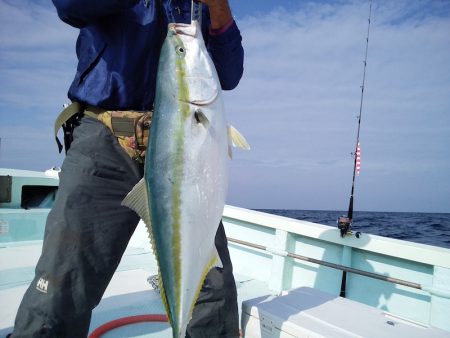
(345, 222)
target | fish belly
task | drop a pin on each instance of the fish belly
(187, 180)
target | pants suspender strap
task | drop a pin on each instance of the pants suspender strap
(66, 114)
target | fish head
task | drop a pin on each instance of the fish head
(193, 78)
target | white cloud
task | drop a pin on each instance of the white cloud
(300, 95)
(296, 103)
(31, 24)
(37, 56)
(37, 64)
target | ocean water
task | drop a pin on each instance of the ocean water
(425, 228)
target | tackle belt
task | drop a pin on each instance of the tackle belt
(131, 128)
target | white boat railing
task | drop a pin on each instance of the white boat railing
(407, 279)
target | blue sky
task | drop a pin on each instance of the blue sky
(296, 104)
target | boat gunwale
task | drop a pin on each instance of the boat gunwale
(422, 253)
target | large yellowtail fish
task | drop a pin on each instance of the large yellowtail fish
(182, 195)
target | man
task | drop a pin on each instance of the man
(87, 229)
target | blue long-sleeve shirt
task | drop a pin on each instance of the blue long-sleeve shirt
(118, 49)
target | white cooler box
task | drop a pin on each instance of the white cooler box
(309, 313)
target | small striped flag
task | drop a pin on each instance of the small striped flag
(358, 158)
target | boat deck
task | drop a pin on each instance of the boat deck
(128, 293)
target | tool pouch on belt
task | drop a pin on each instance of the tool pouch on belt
(131, 129)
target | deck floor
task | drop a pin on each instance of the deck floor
(128, 293)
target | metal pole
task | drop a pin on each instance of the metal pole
(333, 265)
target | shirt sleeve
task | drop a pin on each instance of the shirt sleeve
(227, 54)
(80, 13)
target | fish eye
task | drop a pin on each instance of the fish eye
(180, 50)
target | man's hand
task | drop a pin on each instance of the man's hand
(219, 11)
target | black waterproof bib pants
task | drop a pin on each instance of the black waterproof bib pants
(86, 234)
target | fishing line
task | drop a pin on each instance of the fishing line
(196, 12)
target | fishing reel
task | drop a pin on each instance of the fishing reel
(345, 225)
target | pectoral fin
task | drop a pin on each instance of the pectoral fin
(200, 117)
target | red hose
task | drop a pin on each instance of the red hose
(125, 321)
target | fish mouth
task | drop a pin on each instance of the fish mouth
(183, 29)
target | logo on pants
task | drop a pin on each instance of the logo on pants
(42, 285)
